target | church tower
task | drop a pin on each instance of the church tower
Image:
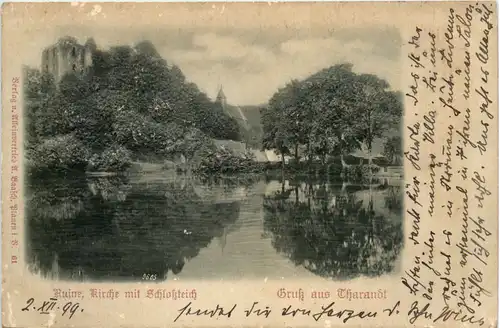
(221, 99)
(234, 112)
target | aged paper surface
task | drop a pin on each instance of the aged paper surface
(221, 165)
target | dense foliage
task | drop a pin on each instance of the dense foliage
(331, 113)
(130, 99)
(60, 152)
(225, 161)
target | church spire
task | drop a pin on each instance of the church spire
(221, 97)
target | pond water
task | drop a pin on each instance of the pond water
(85, 228)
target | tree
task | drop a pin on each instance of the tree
(377, 109)
(274, 133)
(129, 98)
(295, 114)
(332, 127)
(333, 112)
(38, 89)
(287, 120)
(393, 150)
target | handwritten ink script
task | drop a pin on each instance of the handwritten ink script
(448, 189)
(52, 305)
(330, 310)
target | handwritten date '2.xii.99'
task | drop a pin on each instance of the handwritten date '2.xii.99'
(47, 306)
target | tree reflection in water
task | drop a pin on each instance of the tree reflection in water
(331, 232)
(106, 228)
(393, 199)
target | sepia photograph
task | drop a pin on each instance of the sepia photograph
(208, 165)
(214, 154)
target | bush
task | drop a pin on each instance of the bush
(63, 152)
(360, 172)
(335, 169)
(113, 159)
(224, 161)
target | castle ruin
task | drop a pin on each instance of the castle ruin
(67, 56)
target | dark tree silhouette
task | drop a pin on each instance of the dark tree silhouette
(333, 112)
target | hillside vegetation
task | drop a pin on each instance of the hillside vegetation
(130, 104)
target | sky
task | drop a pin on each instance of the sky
(251, 64)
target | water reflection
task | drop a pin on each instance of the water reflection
(106, 228)
(120, 228)
(332, 232)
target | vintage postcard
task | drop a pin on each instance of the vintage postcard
(250, 164)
